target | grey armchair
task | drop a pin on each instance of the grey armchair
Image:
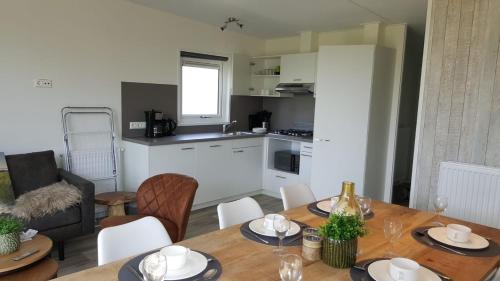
(34, 170)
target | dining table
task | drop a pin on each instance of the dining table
(243, 259)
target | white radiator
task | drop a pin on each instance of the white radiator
(473, 192)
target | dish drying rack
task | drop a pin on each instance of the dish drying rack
(90, 145)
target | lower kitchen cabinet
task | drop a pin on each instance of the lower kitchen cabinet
(246, 170)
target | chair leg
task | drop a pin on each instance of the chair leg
(60, 250)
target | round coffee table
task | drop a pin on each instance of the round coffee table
(115, 201)
(40, 242)
(42, 270)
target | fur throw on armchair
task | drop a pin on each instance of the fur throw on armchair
(44, 201)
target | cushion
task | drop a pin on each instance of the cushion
(69, 216)
(6, 191)
(118, 220)
(32, 170)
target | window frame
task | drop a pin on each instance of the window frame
(222, 116)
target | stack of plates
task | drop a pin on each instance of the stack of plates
(475, 242)
(257, 226)
(195, 264)
(379, 271)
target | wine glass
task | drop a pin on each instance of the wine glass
(281, 226)
(290, 268)
(365, 203)
(154, 267)
(393, 228)
(440, 205)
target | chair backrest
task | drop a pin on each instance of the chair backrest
(130, 239)
(168, 196)
(296, 195)
(238, 211)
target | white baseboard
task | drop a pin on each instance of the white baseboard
(271, 193)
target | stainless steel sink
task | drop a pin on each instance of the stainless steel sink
(238, 133)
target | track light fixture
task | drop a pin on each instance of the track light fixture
(230, 20)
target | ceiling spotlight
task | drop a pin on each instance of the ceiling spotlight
(230, 20)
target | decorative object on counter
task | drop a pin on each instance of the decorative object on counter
(347, 203)
(340, 239)
(9, 235)
(311, 244)
(212, 269)
(421, 234)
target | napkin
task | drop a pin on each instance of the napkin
(28, 234)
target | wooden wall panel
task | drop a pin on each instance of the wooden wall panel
(459, 118)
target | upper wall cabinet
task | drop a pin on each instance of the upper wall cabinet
(298, 68)
(241, 75)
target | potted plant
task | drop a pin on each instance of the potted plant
(9, 235)
(340, 239)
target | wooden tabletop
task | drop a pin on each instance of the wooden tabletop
(115, 198)
(243, 259)
(40, 242)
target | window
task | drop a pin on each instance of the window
(203, 91)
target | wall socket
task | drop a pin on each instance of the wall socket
(137, 125)
(42, 83)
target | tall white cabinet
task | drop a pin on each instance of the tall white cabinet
(351, 122)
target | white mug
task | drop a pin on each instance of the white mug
(458, 233)
(176, 256)
(402, 269)
(268, 221)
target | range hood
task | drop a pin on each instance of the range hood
(295, 88)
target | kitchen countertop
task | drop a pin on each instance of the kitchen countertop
(201, 137)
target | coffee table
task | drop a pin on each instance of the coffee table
(42, 270)
(115, 201)
(40, 242)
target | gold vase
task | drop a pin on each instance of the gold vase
(347, 203)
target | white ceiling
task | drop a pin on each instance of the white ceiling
(279, 18)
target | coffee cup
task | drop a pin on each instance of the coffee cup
(176, 256)
(402, 269)
(268, 221)
(458, 233)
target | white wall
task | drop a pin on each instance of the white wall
(88, 47)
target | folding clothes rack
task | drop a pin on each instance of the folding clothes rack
(90, 141)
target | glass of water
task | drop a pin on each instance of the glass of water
(365, 203)
(393, 228)
(281, 226)
(290, 268)
(440, 205)
(154, 267)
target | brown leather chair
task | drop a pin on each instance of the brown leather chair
(167, 197)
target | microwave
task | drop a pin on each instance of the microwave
(287, 160)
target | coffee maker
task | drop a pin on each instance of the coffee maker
(157, 126)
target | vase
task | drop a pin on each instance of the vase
(347, 203)
(339, 253)
(9, 243)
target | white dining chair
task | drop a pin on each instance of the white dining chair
(130, 239)
(238, 211)
(296, 195)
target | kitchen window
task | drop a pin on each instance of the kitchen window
(203, 89)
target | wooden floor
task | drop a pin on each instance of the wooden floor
(81, 253)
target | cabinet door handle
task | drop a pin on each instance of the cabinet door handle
(297, 79)
(281, 177)
(326, 140)
(309, 147)
(187, 148)
(216, 145)
(305, 155)
(238, 151)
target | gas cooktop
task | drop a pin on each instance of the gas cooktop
(294, 132)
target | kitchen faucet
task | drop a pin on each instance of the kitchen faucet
(227, 126)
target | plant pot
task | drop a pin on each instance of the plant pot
(339, 253)
(9, 243)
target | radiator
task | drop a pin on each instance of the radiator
(473, 192)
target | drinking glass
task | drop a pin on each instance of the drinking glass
(365, 203)
(281, 226)
(393, 228)
(291, 268)
(440, 205)
(154, 267)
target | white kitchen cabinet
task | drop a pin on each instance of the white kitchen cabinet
(298, 68)
(213, 167)
(353, 99)
(246, 170)
(274, 179)
(175, 158)
(241, 75)
(306, 154)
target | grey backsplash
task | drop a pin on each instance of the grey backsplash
(139, 97)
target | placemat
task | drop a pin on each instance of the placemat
(362, 275)
(493, 249)
(125, 275)
(313, 208)
(294, 240)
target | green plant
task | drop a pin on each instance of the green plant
(343, 227)
(10, 225)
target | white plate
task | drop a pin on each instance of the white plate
(257, 226)
(475, 242)
(379, 271)
(195, 264)
(325, 206)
